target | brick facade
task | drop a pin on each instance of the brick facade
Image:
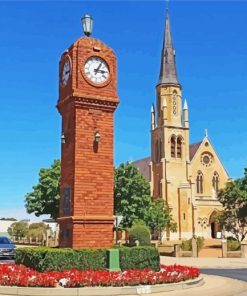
(87, 176)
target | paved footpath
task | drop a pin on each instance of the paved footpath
(206, 262)
(214, 285)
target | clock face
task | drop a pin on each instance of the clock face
(96, 70)
(66, 72)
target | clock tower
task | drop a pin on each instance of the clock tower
(87, 101)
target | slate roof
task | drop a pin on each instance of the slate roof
(193, 149)
(143, 164)
(168, 70)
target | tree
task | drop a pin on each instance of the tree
(44, 199)
(131, 194)
(8, 219)
(18, 229)
(234, 200)
(157, 217)
(37, 231)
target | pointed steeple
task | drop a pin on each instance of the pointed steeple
(168, 71)
(152, 117)
(185, 105)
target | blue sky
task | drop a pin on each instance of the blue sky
(211, 50)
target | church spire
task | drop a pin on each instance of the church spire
(168, 71)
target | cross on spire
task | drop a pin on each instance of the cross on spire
(167, 5)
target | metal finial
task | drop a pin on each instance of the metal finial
(206, 133)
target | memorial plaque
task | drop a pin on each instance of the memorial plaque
(66, 200)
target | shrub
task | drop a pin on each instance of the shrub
(200, 242)
(233, 244)
(187, 244)
(45, 259)
(141, 233)
(139, 258)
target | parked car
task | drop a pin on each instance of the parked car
(7, 248)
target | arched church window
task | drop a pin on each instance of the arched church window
(215, 182)
(173, 146)
(179, 147)
(199, 182)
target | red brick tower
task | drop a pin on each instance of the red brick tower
(87, 101)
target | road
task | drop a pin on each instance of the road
(6, 261)
(238, 274)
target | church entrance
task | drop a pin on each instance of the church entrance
(214, 226)
(212, 244)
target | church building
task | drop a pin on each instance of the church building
(187, 176)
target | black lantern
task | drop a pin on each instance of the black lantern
(63, 141)
(97, 137)
(87, 24)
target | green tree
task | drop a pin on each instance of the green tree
(234, 200)
(157, 217)
(18, 230)
(37, 231)
(139, 232)
(44, 199)
(131, 194)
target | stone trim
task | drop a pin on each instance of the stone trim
(99, 291)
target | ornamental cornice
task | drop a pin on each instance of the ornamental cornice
(95, 103)
(107, 104)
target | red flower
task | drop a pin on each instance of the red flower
(19, 275)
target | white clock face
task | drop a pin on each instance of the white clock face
(96, 70)
(66, 72)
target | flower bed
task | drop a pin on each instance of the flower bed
(19, 275)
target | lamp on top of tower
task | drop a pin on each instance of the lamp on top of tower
(87, 24)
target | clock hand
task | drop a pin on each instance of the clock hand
(102, 71)
(97, 70)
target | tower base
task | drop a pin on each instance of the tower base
(86, 232)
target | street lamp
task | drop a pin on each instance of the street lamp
(87, 24)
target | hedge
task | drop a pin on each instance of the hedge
(187, 244)
(47, 259)
(139, 258)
